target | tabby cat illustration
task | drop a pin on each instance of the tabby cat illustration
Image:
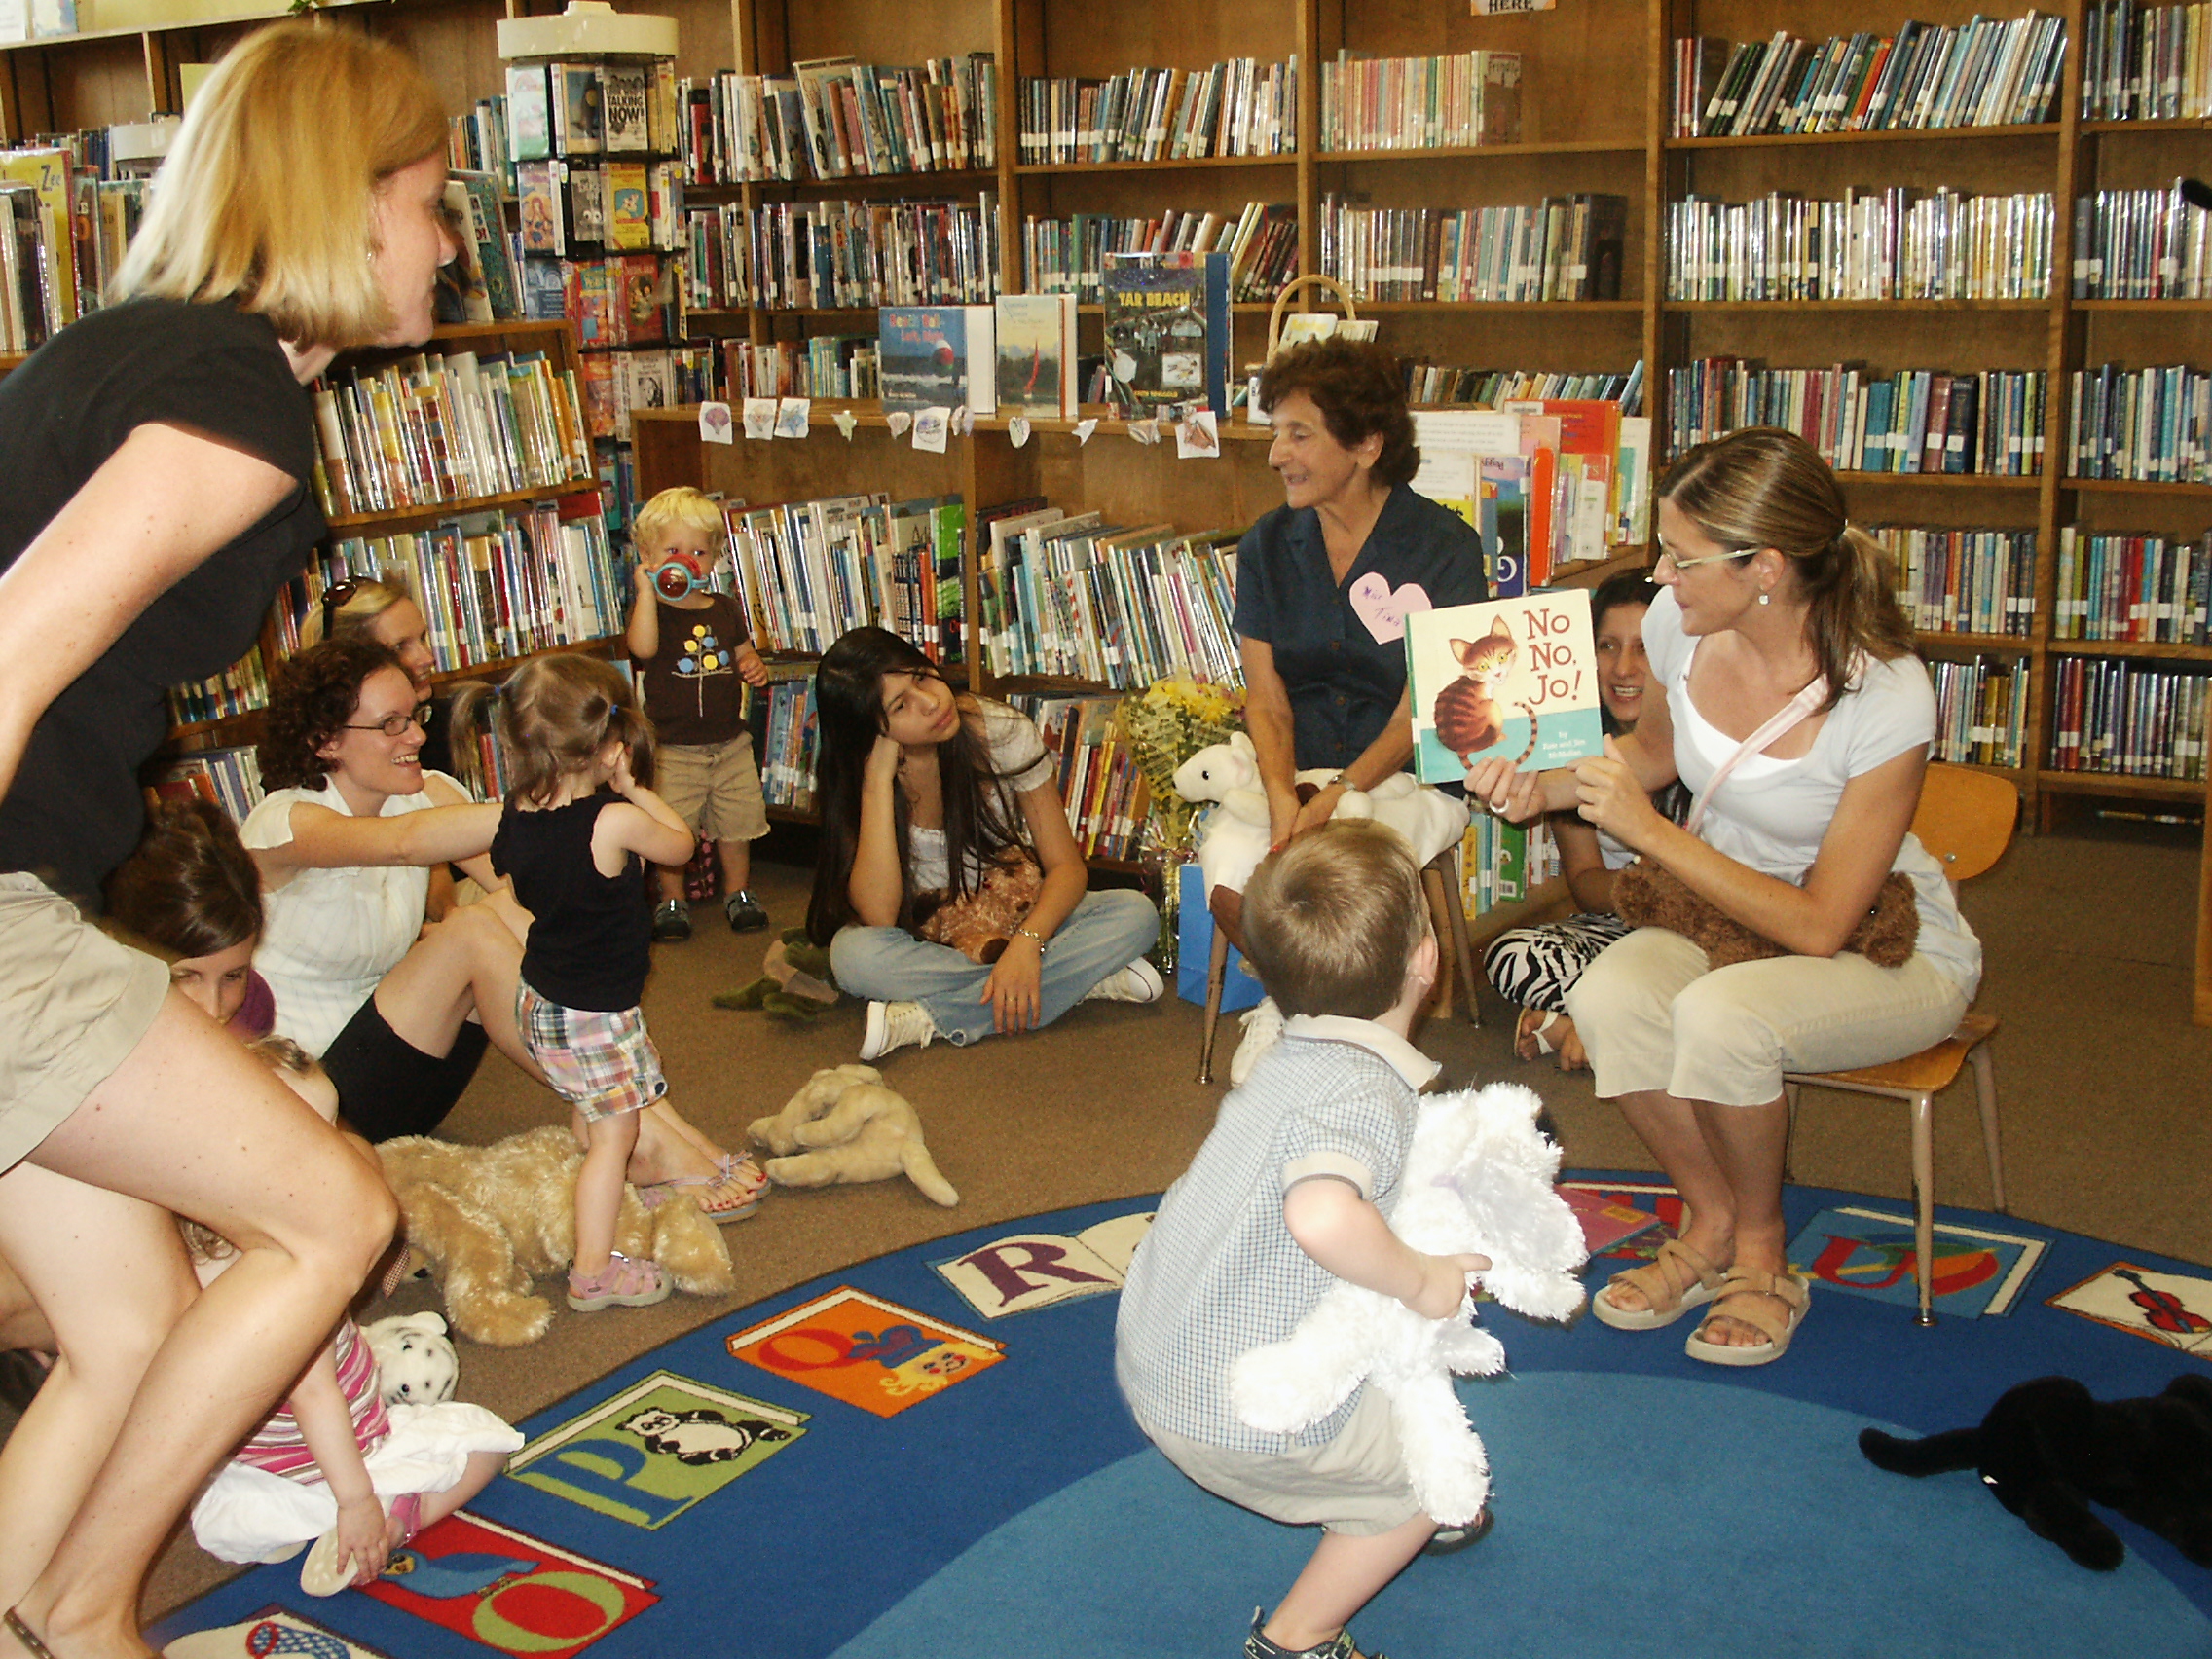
(1468, 718)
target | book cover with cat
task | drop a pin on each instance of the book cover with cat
(1506, 679)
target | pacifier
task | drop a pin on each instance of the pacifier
(680, 577)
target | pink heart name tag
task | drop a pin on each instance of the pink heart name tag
(1385, 608)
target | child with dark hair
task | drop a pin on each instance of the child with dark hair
(192, 890)
(933, 800)
(1292, 1191)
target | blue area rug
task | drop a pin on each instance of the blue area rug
(925, 1454)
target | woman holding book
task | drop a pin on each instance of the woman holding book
(400, 1013)
(949, 889)
(1800, 721)
(159, 457)
(1322, 585)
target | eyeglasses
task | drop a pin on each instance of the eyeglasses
(393, 725)
(1667, 555)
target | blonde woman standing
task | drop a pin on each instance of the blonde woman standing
(159, 457)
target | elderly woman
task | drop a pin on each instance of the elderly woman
(1324, 662)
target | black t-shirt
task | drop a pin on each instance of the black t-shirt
(591, 934)
(75, 811)
(691, 685)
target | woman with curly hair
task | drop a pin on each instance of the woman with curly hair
(1322, 585)
(398, 1012)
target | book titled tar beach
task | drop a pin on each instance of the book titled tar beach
(1506, 679)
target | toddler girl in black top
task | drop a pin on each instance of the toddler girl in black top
(574, 839)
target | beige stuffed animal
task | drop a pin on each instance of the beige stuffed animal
(490, 1219)
(845, 1125)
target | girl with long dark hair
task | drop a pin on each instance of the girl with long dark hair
(941, 816)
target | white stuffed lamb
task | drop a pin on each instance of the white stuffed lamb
(1478, 1180)
(1234, 838)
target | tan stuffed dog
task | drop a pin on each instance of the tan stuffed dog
(490, 1219)
(845, 1125)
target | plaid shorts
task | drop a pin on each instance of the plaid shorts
(602, 1063)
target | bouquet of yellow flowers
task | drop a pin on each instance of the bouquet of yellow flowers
(1171, 721)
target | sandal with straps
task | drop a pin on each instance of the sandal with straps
(1792, 1290)
(624, 1282)
(1665, 1299)
(725, 1183)
(24, 1634)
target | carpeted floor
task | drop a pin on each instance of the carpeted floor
(2102, 1076)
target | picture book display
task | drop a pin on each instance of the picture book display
(1167, 324)
(1509, 678)
(923, 356)
(1036, 354)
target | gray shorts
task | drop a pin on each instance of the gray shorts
(73, 1002)
(1355, 1485)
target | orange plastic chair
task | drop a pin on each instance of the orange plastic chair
(1966, 818)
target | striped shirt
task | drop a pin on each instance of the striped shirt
(1219, 1274)
(280, 1447)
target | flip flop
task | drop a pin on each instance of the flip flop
(721, 1183)
(1665, 1303)
(1792, 1290)
(1545, 1047)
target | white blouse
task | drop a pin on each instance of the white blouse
(329, 936)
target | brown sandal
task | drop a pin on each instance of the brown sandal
(24, 1634)
(1664, 1299)
(1792, 1290)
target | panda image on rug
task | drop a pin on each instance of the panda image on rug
(702, 1436)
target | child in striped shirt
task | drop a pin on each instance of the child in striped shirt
(334, 1467)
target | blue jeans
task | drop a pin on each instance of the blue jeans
(1103, 934)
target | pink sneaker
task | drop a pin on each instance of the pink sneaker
(622, 1283)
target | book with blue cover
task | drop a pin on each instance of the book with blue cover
(1167, 327)
(923, 361)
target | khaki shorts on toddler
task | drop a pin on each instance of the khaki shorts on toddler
(1357, 1484)
(714, 787)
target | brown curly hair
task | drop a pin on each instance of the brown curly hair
(1357, 387)
(310, 697)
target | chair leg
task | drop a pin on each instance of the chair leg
(1924, 1202)
(1986, 1090)
(1449, 874)
(1790, 1131)
(1217, 972)
(1433, 889)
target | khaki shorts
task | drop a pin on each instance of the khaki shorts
(714, 787)
(1355, 1485)
(73, 1003)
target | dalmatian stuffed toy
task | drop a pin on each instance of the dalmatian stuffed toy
(1478, 1180)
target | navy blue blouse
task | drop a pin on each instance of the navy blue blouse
(1344, 680)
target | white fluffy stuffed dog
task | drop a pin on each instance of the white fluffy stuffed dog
(1478, 1180)
(416, 1364)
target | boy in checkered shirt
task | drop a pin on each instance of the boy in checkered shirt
(1292, 1190)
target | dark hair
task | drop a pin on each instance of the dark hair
(1764, 487)
(1628, 587)
(190, 888)
(554, 714)
(848, 695)
(311, 697)
(1332, 920)
(1356, 386)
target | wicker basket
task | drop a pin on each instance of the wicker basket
(1336, 289)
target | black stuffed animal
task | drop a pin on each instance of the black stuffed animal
(2048, 1450)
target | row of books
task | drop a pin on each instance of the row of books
(806, 572)
(483, 282)
(2141, 244)
(238, 690)
(1420, 103)
(2146, 63)
(1068, 256)
(477, 141)
(1565, 247)
(1097, 773)
(2152, 425)
(1887, 244)
(228, 778)
(1543, 483)
(2109, 714)
(625, 299)
(1239, 107)
(823, 365)
(42, 266)
(1985, 72)
(582, 206)
(1487, 388)
(616, 383)
(788, 744)
(1115, 604)
(1502, 863)
(1981, 712)
(838, 118)
(826, 255)
(591, 109)
(2120, 586)
(446, 427)
(1913, 421)
(1964, 581)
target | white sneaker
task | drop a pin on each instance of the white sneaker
(896, 1025)
(1261, 1026)
(1138, 983)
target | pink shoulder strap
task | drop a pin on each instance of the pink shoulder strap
(1784, 717)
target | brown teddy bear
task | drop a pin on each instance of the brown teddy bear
(490, 1219)
(844, 1126)
(980, 925)
(1650, 895)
